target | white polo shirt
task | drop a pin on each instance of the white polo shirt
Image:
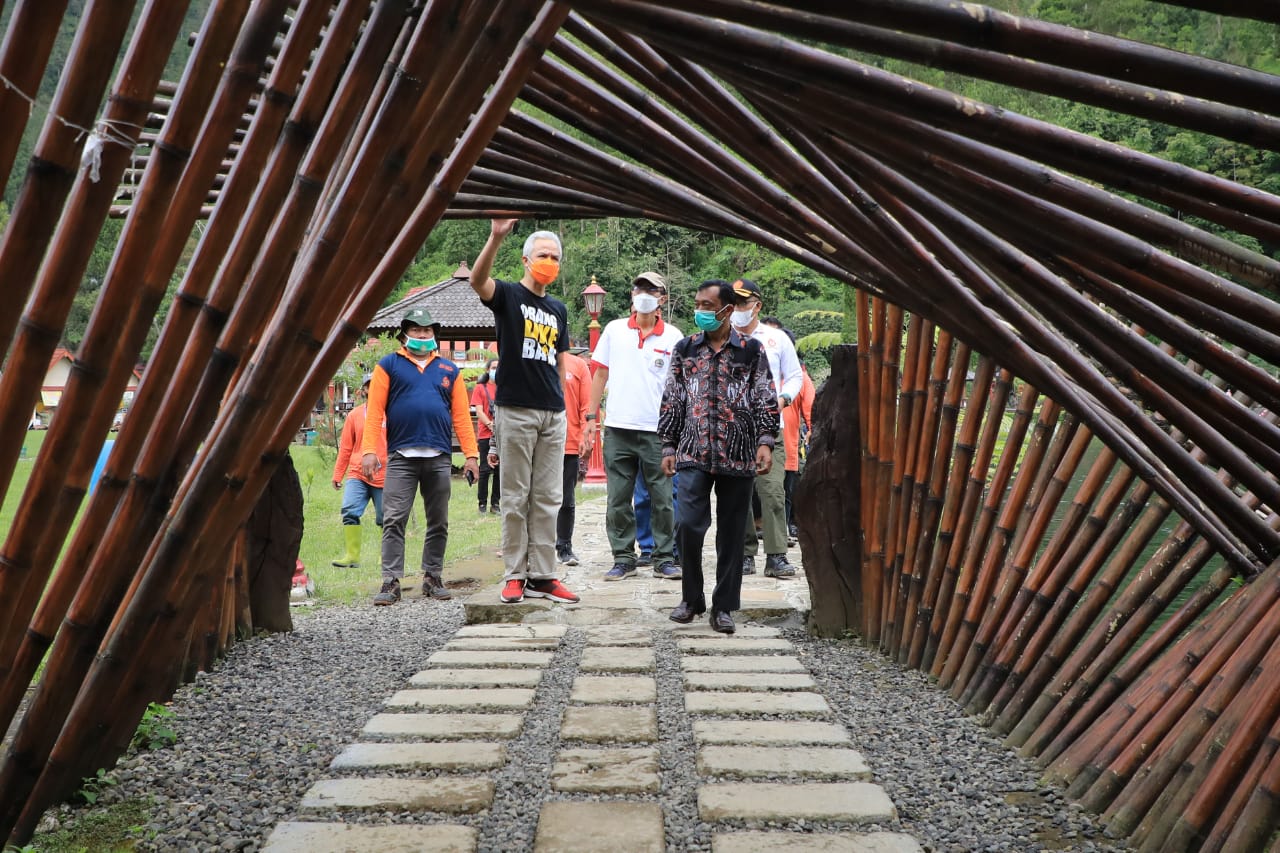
(638, 366)
(784, 364)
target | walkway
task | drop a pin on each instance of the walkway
(635, 735)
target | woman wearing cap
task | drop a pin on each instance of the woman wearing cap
(359, 490)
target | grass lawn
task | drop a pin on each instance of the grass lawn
(474, 539)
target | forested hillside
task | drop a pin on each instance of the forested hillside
(614, 250)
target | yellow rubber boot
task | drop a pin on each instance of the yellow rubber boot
(350, 560)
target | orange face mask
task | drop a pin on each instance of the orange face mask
(544, 270)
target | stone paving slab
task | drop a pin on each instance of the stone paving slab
(734, 645)
(757, 802)
(619, 827)
(617, 689)
(742, 663)
(607, 771)
(512, 630)
(748, 681)
(842, 842)
(812, 762)
(616, 659)
(303, 837)
(702, 629)
(738, 732)
(512, 659)
(445, 726)
(460, 795)
(477, 678)
(478, 698)
(619, 635)
(742, 702)
(499, 644)
(458, 755)
(609, 724)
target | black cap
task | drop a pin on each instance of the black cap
(745, 288)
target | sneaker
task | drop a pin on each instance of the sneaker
(512, 591)
(568, 558)
(793, 531)
(433, 587)
(748, 565)
(495, 510)
(668, 570)
(483, 509)
(620, 571)
(645, 559)
(552, 589)
(389, 594)
(776, 566)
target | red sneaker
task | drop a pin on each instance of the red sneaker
(512, 591)
(552, 589)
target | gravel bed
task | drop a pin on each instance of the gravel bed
(254, 735)
(259, 730)
(955, 785)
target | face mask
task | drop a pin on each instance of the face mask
(493, 376)
(707, 321)
(544, 270)
(644, 303)
(742, 319)
(420, 346)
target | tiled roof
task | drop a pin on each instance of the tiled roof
(452, 303)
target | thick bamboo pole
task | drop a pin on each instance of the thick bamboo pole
(948, 555)
(178, 533)
(39, 207)
(738, 50)
(956, 583)
(1261, 815)
(933, 463)
(105, 359)
(1047, 43)
(108, 554)
(70, 251)
(1250, 783)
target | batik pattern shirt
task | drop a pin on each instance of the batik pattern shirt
(718, 407)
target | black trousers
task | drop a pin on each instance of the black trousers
(733, 511)
(485, 474)
(568, 505)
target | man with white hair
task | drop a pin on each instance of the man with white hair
(533, 336)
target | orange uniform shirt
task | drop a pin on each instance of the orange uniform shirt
(349, 456)
(800, 411)
(577, 398)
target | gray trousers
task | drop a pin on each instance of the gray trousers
(773, 505)
(628, 454)
(532, 454)
(404, 477)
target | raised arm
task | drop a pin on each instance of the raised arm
(481, 280)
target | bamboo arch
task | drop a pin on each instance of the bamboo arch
(323, 141)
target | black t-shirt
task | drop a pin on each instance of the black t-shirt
(532, 332)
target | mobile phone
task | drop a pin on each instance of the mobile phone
(471, 478)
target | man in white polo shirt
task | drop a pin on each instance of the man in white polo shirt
(631, 360)
(788, 378)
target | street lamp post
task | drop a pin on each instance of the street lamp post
(593, 296)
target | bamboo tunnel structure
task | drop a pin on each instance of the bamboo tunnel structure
(1047, 473)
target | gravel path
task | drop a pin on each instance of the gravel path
(257, 733)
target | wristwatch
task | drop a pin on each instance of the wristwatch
(591, 417)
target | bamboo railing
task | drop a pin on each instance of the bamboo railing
(1058, 496)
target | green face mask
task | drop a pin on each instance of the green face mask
(707, 321)
(420, 346)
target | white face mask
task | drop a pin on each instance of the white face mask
(644, 303)
(743, 318)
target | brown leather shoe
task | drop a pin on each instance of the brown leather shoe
(684, 614)
(721, 621)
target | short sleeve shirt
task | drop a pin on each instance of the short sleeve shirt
(638, 367)
(532, 331)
